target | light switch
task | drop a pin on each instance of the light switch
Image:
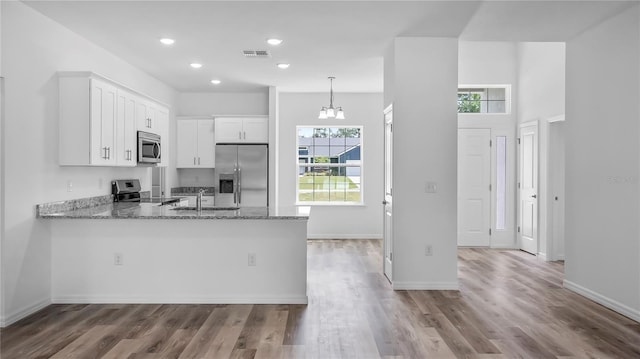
(430, 187)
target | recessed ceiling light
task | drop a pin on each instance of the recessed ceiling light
(216, 82)
(196, 65)
(274, 41)
(283, 66)
(167, 41)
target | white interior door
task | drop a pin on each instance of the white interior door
(388, 194)
(528, 184)
(474, 187)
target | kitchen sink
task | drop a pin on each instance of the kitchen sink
(206, 208)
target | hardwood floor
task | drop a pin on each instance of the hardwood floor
(510, 305)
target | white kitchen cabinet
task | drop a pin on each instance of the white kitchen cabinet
(242, 130)
(149, 116)
(195, 143)
(207, 201)
(99, 119)
(160, 120)
(88, 109)
(126, 139)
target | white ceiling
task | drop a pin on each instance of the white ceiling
(345, 39)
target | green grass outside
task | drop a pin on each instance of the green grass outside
(327, 188)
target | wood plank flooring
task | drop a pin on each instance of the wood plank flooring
(510, 305)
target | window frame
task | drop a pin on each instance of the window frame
(330, 165)
(507, 98)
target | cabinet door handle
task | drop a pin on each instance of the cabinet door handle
(239, 135)
(105, 153)
(194, 160)
(198, 161)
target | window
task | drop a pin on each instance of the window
(483, 100)
(329, 165)
(501, 182)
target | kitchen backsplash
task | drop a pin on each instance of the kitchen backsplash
(195, 177)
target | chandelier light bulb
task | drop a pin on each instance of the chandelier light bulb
(330, 112)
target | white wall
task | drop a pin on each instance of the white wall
(33, 49)
(360, 110)
(2, 152)
(487, 62)
(191, 261)
(603, 163)
(541, 80)
(225, 103)
(494, 63)
(422, 86)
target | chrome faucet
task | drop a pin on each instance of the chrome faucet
(199, 199)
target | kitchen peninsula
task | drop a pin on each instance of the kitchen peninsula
(106, 252)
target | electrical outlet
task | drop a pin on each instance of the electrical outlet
(117, 259)
(428, 250)
(69, 186)
(252, 259)
(430, 187)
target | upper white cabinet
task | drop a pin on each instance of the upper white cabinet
(99, 120)
(160, 121)
(88, 108)
(149, 116)
(242, 130)
(195, 143)
(126, 139)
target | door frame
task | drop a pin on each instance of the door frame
(387, 203)
(548, 189)
(518, 187)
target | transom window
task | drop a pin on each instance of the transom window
(483, 99)
(329, 165)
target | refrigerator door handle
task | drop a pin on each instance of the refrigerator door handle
(239, 185)
(235, 184)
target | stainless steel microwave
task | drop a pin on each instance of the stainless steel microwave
(149, 148)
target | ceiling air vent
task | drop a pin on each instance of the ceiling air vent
(256, 53)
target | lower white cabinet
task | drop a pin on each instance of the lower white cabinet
(195, 143)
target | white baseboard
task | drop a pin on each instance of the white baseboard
(543, 256)
(23, 312)
(344, 236)
(240, 299)
(560, 257)
(503, 246)
(425, 286)
(605, 301)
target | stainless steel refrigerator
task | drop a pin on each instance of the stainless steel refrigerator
(241, 175)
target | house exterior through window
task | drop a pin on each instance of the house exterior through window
(329, 165)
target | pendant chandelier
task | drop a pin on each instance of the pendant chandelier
(331, 112)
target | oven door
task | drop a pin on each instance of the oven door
(149, 149)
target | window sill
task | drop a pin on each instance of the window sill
(331, 204)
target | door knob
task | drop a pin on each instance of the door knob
(534, 196)
(384, 202)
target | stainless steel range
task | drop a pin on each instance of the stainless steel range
(129, 191)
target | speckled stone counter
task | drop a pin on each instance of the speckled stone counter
(191, 191)
(155, 211)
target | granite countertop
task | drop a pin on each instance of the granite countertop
(192, 191)
(154, 211)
